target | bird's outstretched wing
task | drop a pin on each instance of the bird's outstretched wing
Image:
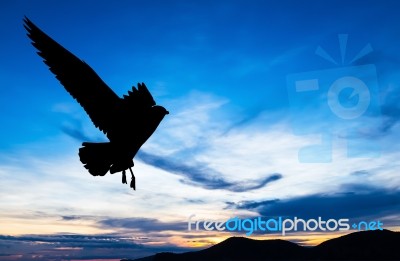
(140, 98)
(78, 78)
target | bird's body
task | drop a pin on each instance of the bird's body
(127, 122)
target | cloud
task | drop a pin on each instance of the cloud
(386, 63)
(69, 218)
(75, 133)
(64, 246)
(205, 177)
(361, 173)
(73, 240)
(390, 109)
(146, 225)
(355, 201)
(74, 128)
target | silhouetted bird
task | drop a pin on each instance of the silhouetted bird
(127, 122)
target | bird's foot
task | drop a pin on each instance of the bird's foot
(124, 177)
(133, 181)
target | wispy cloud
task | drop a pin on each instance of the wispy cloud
(145, 225)
(66, 246)
(354, 201)
(205, 177)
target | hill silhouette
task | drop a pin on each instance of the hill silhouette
(363, 245)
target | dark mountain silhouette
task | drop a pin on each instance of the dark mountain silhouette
(127, 122)
(364, 245)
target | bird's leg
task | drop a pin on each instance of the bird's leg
(133, 182)
(124, 177)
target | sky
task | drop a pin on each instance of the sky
(277, 108)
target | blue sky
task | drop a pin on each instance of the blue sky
(239, 140)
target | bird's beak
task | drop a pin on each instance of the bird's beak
(167, 112)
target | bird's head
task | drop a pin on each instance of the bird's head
(158, 113)
(160, 110)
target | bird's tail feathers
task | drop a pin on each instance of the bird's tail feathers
(96, 157)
